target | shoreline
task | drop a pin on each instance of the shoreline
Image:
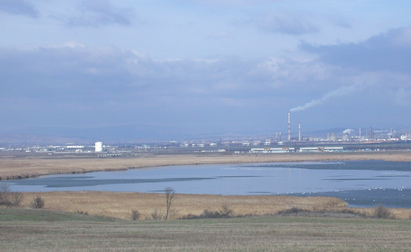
(12, 168)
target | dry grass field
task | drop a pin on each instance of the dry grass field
(120, 204)
(32, 166)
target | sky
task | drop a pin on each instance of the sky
(203, 67)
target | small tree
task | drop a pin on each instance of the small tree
(170, 193)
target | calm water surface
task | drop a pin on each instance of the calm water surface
(360, 183)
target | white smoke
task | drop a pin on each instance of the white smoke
(347, 131)
(335, 93)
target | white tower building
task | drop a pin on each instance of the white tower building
(98, 147)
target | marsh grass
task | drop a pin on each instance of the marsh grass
(119, 204)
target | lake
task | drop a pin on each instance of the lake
(360, 183)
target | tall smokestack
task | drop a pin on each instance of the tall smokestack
(289, 126)
(299, 132)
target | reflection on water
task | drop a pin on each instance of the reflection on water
(362, 183)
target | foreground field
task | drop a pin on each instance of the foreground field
(42, 230)
(12, 167)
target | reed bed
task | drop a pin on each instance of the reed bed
(120, 204)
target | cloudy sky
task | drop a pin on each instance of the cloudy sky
(198, 66)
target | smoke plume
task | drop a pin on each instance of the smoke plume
(335, 93)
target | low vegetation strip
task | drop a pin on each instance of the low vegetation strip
(44, 230)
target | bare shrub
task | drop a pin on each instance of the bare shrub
(9, 198)
(37, 202)
(15, 199)
(382, 212)
(4, 193)
(157, 215)
(226, 211)
(135, 215)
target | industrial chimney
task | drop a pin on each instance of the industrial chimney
(289, 126)
(299, 132)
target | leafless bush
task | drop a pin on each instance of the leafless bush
(15, 199)
(382, 212)
(9, 198)
(157, 215)
(37, 202)
(135, 215)
(226, 211)
(4, 193)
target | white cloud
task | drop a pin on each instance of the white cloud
(378, 53)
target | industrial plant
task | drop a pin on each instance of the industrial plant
(359, 139)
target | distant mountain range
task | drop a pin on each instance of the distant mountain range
(131, 134)
(113, 134)
(60, 135)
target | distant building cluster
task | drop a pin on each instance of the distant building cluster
(360, 139)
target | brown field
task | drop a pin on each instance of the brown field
(120, 204)
(32, 166)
